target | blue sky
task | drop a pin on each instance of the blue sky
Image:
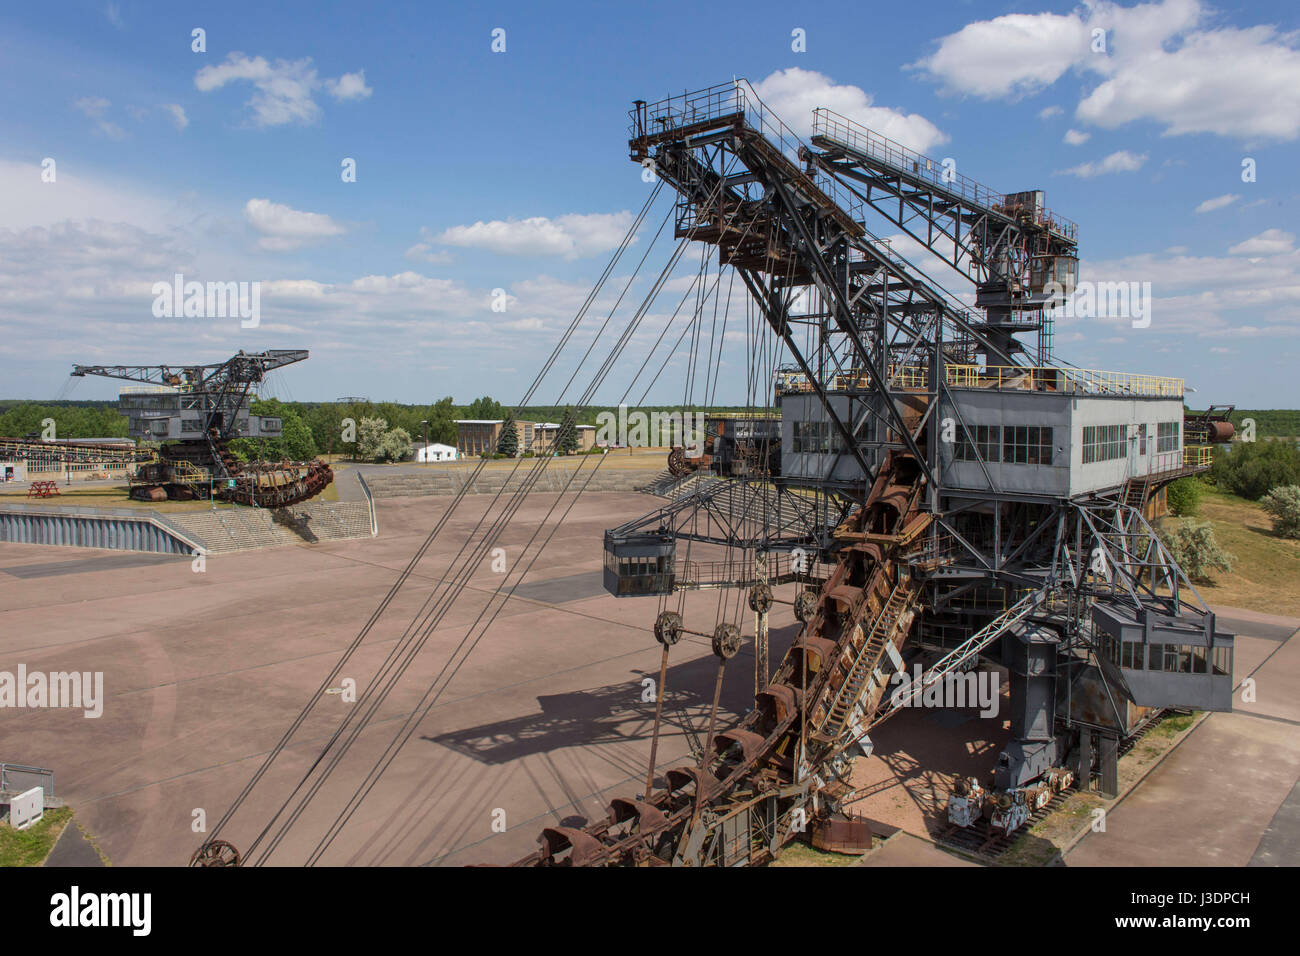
(479, 170)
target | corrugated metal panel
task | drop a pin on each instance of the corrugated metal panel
(86, 530)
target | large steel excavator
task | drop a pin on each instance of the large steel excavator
(786, 767)
(193, 412)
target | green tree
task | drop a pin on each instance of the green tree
(1283, 505)
(370, 438)
(395, 445)
(1252, 469)
(1183, 496)
(295, 442)
(1197, 553)
(485, 408)
(508, 443)
(566, 442)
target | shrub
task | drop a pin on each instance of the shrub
(1252, 469)
(1197, 553)
(1283, 505)
(1183, 496)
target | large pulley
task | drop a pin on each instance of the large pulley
(216, 853)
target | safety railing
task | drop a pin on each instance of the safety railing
(790, 382)
(1071, 380)
(843, 130)
(726, 99)
(17, 777)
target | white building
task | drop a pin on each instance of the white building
(434, 452)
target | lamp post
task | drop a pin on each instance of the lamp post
(425, 423)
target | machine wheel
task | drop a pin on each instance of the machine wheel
(677, 463)
(215, 853)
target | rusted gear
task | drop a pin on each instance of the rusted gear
(216, 853)
(677, 462)
(726, 641)
(805, 606)
(668, 628)
(760, 598)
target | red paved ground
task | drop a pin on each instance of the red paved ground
(204, 672)
(545, 720)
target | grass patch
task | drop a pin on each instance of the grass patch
(801, 854)
(30, 847)
(1266, 574)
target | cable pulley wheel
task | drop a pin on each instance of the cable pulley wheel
(760, 598)
(216, 853)
(677, 462)
(805, 606)
(668, 628)
(726, 641)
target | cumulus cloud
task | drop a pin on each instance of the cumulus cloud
(284, 229)
(424, 251)
(1270, 242)
(284, 90)
(793, 94)
(349, 86)
(571, 236)
(1012, 55)
(1118, 162)
(176, 113)
(1074, 137)
(1166, 62)
(96, 109)
(1047, 112)
(1218, 202)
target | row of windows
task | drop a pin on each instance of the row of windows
(815, 438)
(1167, 658)
(1104, 442)
(1013, 445)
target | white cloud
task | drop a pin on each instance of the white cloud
(1270, 242)
(1165, 62)
(1119, 162)
(793, 94)
(423, 251)
(349, 86)
(1011, 55)
(284, 229)
(1074, 137)
(1218, 202)
(96, 108)
(571, 236)
(176, 113)
(284, 89)
(1047, 112)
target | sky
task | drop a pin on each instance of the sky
(128, 156)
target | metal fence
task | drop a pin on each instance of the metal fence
(20, 778)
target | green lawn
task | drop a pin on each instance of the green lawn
(30, 847)
(1266, 574)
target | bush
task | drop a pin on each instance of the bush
(1197, 553)
(1252, 469)
(1283, 505)
(1183, 496)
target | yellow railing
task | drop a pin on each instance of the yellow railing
(900, 376)
(1000, 377)
(1198, 456)
(1071, 380)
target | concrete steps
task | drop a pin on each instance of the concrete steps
(491, 481)
(233, 529)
